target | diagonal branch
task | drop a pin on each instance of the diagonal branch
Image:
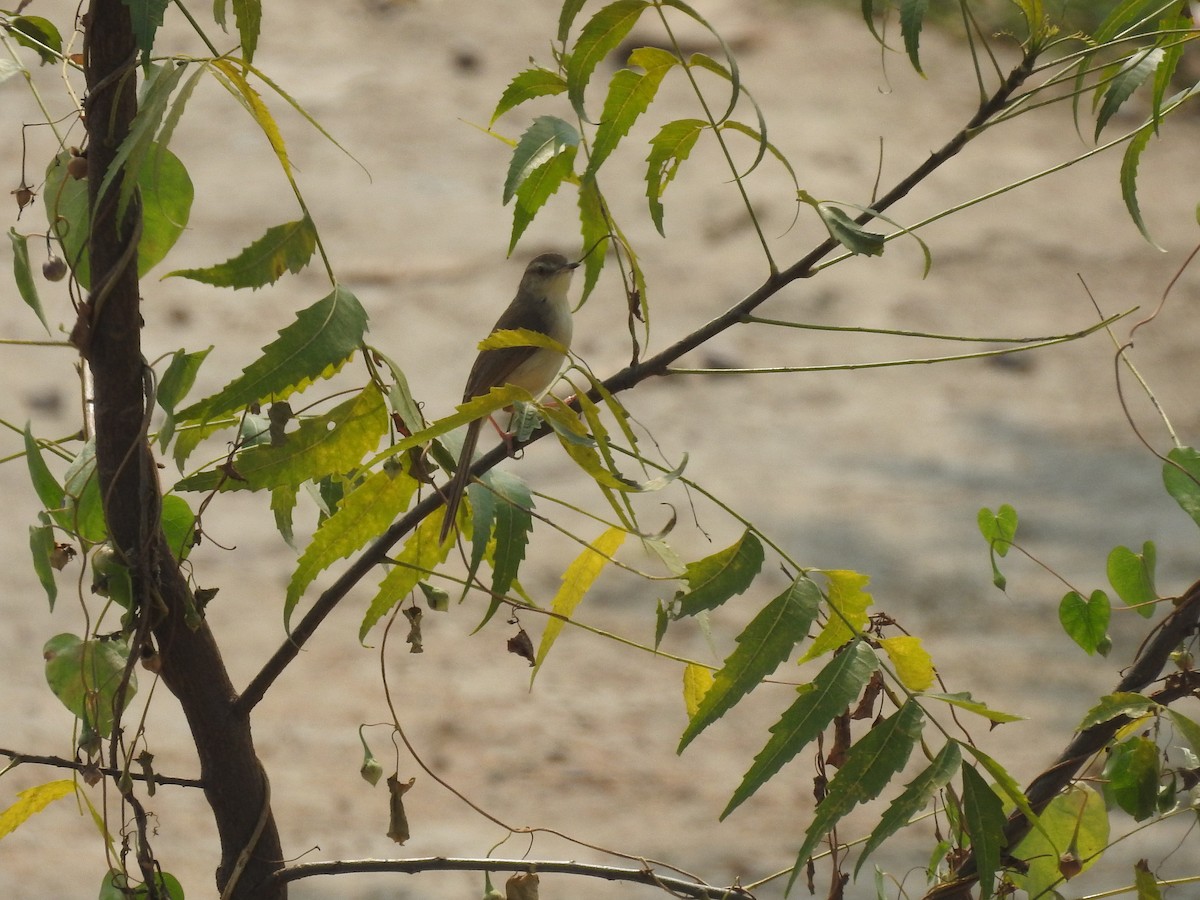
(627, 378)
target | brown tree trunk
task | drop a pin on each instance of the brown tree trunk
(109, 337)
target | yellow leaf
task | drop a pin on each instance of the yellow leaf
(696, 682)
(575, 583)
(848, 611)
(914, 666)
(32, 802)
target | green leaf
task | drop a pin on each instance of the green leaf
(1128, 177)
(1170, 27)
(174, 385)
(422, 553)
(179, 525)
(765, 643)
(363, 515)
(546, 138)
(912, 16)
(146, 17)
(983, 818)
(566, 17)
(284, 248)
(713, 580)
(513, 523)
(1122, 703)
(320, 341)
(964, 700)
(849, 233)
(23, 276)
(827, 697)
(85, 676)
(41, 545)
(117, 886)
(331, 444)
(1181, 476)
(1131, 776)
(593, 227)
(84, 514)
(39, 35)
(1145, 881)
(577, 580)
(166, 194)
(599, 37)
(1132, 74)
(916, 796)
(535, 82)
(998, 529)
(248, 15)
(1075, 823)
(1086, 621)
(848, 604)
(869, 767)
(668, 149)
(629, 95)
(283, 505)
(1188, 729)
(45, 485)
(1132, 577)
(538, 187)
(1006, 784)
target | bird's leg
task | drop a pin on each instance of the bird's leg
(506, 436)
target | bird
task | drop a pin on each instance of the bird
(540, 305)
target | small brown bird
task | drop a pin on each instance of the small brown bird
(540, 305)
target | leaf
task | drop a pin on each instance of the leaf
(1006, 784)
(1122, 703)
(713, 580)
(827, 697)
(963, 700)
(848, 603)
(629, 95)
(697, 682)
(1132, 577)
(146, 17)
(41, 545)
(363, 515)
(668, 149)
(916, 796)
(1131, 776)
(32, 801)
(284, 248)
(39, 35)
(23, 276)
(84, 514)
(599, 37)
(1076, 824)
(1128, 79)
(914, 666)
(546, 138)
(166, 193)
(765, 643)
(422, 552)
(330, 444)
(566, 16)
(248, 15)
(513, 523)
(179, 525)
(849, 233)
(317, 344)
(1145, 881)
(45, 485)
(117, 886)
(983, 818)
(577, 580)
(912, 15)
(538, 187)
(1129, 171)
(869, 767)
(85, 676)
(234, 79)
(526, 85)
(1189, 729)
(1181, 476)
(174, 385)
(1086, 621)
(998, 529)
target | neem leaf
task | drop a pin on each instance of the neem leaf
(546, 138)
(849, 233)
(422, 552)
(284, 248)
(629, 95)
(912, 16)
(1128, 79)
(600, 36)
(174, 386)
(848, 604)
(668, 149)
(983, 818)
(713, 580)
(535, 82)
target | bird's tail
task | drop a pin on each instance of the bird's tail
(462, 475)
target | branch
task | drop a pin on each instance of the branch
(645, 876)
(622, 381)
(60, 762)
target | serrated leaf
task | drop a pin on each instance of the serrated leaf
(964, 700)
(32, 801)
(765, 643)
(535, 82)
(713, 580)
(868, 769)
(1122, 703)
(174, 385)
(234, 78)
(329, 444)
(913, 664)
(363, 515)
(1086, 621)
(1132, 577)
(916, 796)
(422, 552)
(146, 17)
(546, 138)
(983, 819)
(912, 17)
(248, 15)
(283, 505)
(85, 676)
(668, 149)
(283, 248)
(1181, 477)
(513, 522)
(566, 16)
(538, 187)
(39, 35)
(594, 227)
(317, 344)
(1006, 784)
(23, 276)
(825, 698)
(577, 580)
(1128, 178)
(599, 37)
(1128, 79)
(848, 603)
(629, 95)
(849, 233)
(166, 193)
(697, 682)
(1077, 824)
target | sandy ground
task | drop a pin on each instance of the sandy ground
(880, 471)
